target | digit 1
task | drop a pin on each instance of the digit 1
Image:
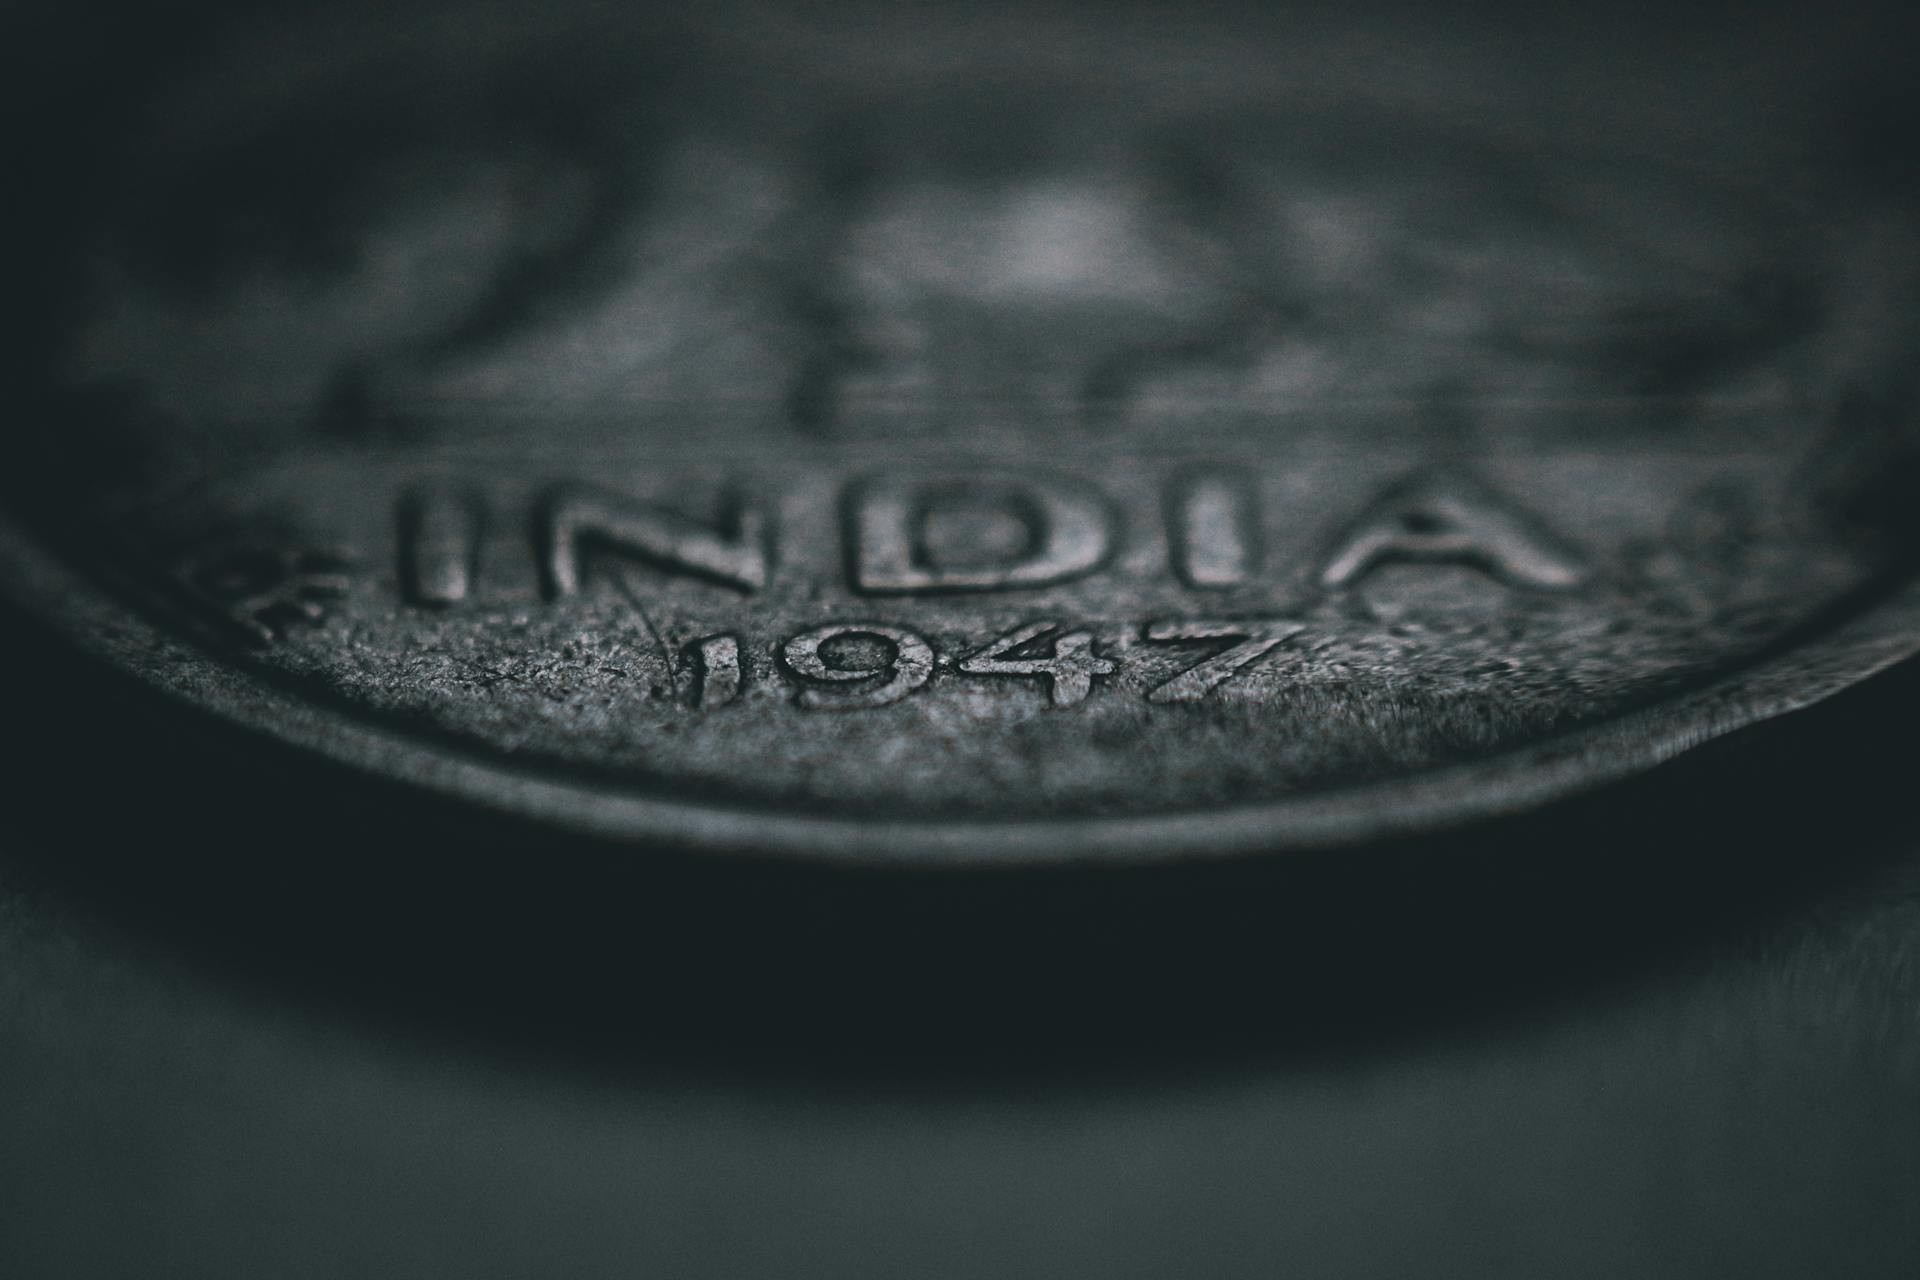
(717, 660)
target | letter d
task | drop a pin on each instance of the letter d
(1066, 532)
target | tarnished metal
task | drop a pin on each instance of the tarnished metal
(883, 448)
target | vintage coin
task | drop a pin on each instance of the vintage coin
(879, 444)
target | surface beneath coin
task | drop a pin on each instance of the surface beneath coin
(891, 445)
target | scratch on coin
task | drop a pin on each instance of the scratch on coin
(633, 598)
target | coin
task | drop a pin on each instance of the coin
(880, 446)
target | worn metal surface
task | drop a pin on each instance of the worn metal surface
(858, 443)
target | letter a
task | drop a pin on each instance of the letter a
(1449, 520)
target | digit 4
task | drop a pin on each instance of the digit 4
(1071, 666)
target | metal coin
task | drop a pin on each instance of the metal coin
(912, 443)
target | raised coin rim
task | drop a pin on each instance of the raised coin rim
(1875, 636)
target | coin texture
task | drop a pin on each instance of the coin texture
(888, 445)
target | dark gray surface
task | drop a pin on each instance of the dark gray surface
(1737, 1125)
(264, 1070)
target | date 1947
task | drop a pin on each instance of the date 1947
(853, 665)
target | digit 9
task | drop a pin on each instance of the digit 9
(815, 657)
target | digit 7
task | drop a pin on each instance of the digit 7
(1257, 637)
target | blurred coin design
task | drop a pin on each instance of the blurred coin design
(913, 450)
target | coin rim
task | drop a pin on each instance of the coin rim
(1878, 635)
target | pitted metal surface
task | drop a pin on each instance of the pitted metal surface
(999, 457)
